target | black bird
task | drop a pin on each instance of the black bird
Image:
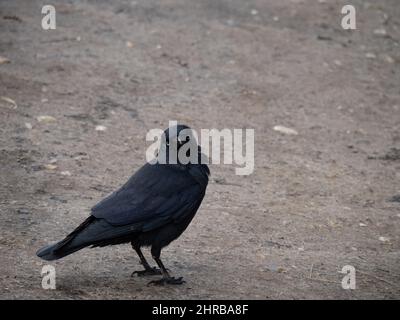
(152, 208)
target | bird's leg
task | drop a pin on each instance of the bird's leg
(148, 271)
(166, 279)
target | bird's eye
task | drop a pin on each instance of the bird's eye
(182, 141)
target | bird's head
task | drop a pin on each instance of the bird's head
(179, 145)
(176, 133)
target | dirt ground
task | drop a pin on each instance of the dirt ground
(317, 201)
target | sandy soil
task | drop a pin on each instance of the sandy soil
(317, 201)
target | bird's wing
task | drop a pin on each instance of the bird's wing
(155, 195)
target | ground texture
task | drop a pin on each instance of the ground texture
(317, 201)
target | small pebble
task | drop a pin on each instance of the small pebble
(4, 60)
(50, 166)
(384, 239)
(230, 22)
(46, 119)
(388, 59)
(101, 128)
(380, 32)
(285, 130)
(23, 211)
(9, 102)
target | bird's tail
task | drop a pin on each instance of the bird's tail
(66, 246)
(92, 232)
(52, 252)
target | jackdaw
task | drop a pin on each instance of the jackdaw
(151, 209)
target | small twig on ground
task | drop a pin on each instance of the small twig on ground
(298, 214)
(323, 280)
(311, 270)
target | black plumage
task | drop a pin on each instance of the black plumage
(152, 209)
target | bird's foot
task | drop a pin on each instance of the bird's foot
(147, 272)
(169, 280)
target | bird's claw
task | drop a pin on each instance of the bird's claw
(147, 272)
(170, 280)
